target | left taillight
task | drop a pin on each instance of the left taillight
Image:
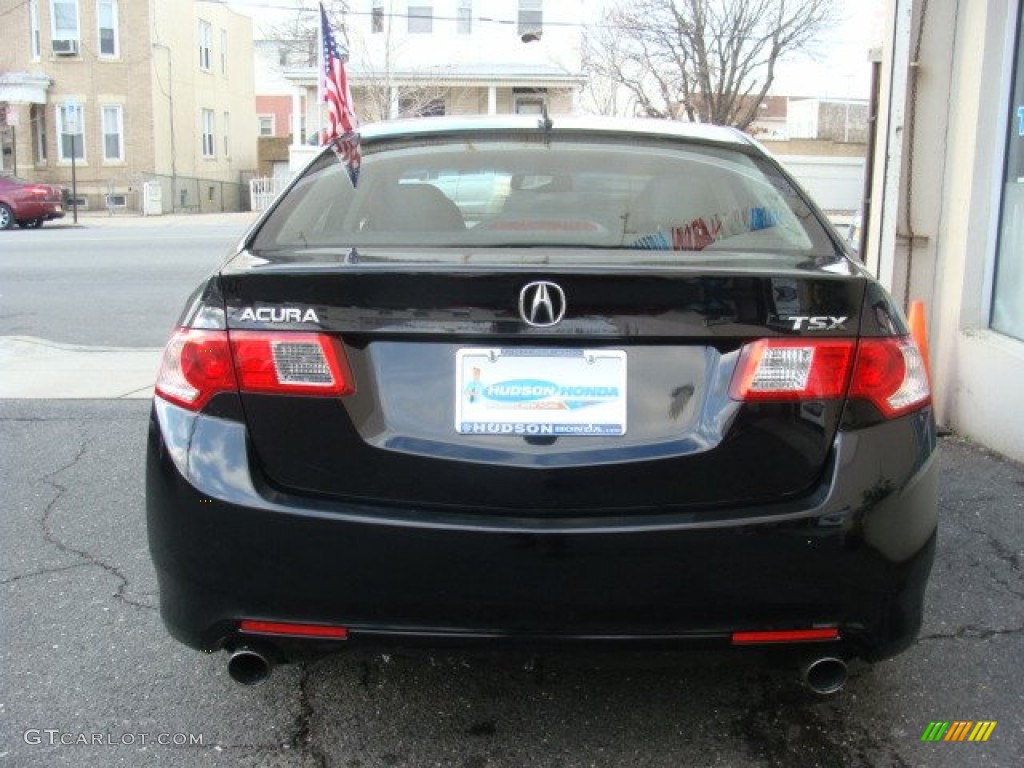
(291, 363)
(198, 364)
(195, 367)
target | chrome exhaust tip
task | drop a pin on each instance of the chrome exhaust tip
(248, 666)
(825, 675)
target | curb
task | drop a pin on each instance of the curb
(35, 368)
(97, 220)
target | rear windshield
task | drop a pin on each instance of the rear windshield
(551, 191)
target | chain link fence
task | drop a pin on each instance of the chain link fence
(189, 194)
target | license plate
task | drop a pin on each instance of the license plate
(556, 392)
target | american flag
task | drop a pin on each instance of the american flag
(342, 131)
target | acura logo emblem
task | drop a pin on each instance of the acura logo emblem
(542, 304)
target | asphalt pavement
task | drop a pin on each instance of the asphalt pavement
(90, 677)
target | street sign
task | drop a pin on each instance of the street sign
(71, 112)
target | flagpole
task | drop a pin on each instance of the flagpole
(320, 85)
(341, 132)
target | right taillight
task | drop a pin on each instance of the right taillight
(888, 372)
(891, 374)
(199, 364)
(793, 369)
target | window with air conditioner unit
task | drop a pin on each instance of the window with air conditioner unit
(421, 19)
(65, 30)
(531, 17)
(65, 47)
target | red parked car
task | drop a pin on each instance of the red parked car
(27, 203)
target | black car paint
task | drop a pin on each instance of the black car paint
(442, 575)
(831, 523)
(401, 331)
(609, 567)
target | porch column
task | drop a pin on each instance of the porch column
(297, 138)
(492, 100)
(393, 105)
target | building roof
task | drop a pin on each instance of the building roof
(499, 74)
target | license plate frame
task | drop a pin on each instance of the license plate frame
(541, 391)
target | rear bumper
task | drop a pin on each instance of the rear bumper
(855, 555)
(39, 210)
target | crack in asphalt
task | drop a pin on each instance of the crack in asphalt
(302, 738)
(1001, 553)
(299, 740)
(42, 572)
(779, 725)
(867, 741)
(29, 419)
(971, 632)
(90, 559)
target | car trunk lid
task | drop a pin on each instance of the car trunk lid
(424, 340)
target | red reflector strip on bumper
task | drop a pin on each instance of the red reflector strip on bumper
(287, 628)
(785, 636)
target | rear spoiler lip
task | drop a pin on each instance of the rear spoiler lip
(460, 260)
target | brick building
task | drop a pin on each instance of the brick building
(130, 92)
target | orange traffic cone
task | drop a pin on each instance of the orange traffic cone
(919, 332)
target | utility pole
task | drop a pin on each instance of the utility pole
(71, 125)
(11, 121)
(169, 93)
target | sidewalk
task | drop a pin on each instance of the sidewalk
(104, 219)
(35, 368)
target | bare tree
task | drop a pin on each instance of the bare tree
(379, 90)
(297, 38)
(374, 85)
(603, 52)
(708, 61)
(377, 95)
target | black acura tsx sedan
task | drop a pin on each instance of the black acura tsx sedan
(539, 382)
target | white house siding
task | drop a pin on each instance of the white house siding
(835, 183)
(947, 211)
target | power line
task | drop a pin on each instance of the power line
(394, 15)
(14, 7)
(391, 15)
